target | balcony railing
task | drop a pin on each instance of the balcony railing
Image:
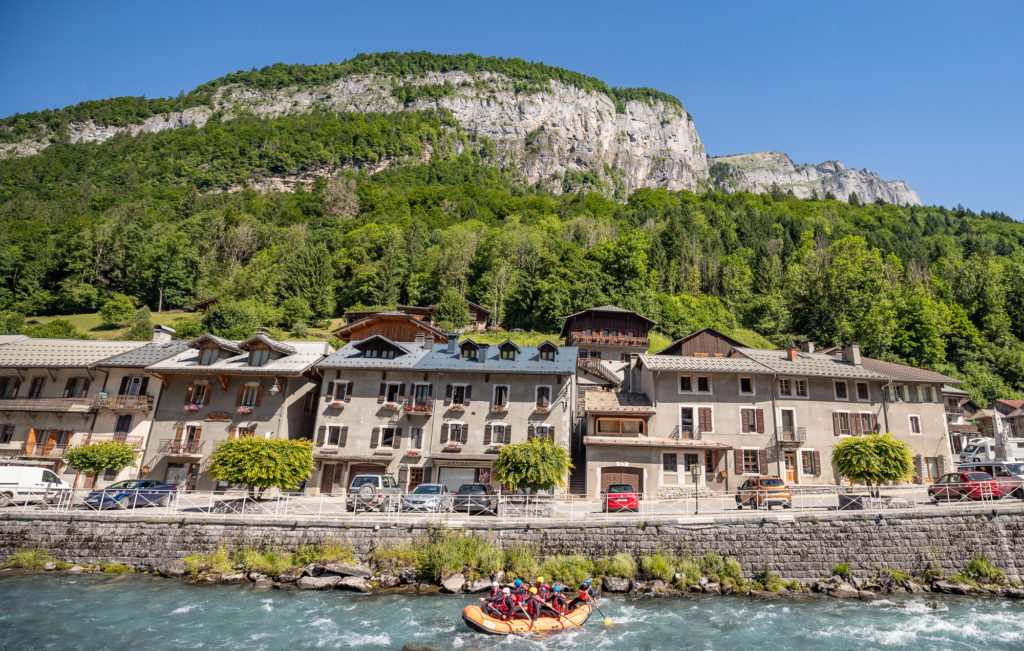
(686, 434)
(793, 434)
(174, 446)
(418, 408)
(576, 338)
(44, 449)
(68, 405)
(142, 402)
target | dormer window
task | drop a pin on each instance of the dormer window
(468, 350)
(547, 351)
(259, 356)
(207, 355)
(508, 353)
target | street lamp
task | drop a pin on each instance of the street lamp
(695, 473)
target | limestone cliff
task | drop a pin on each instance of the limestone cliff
(762, 171)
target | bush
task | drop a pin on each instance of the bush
(262, 463)
(447, 552)
(117, 311)
(295, 309)
(29, 559)
(733, 572)
(141, 326)
(100, 457)
(659, 566)
(269, 562)
(621, 565)
(536, 464)
(690, 569)
(520, 562)
(393, 556)
(218, 562)
(566, 570)
(769, 580)
(842, 570)
(329, 552)
(712, 564)
(981, 570)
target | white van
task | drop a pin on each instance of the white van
(23, 484)
(979, 450)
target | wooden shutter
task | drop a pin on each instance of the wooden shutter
(874, 423)
(448, 390)
(465, 434)
(396, 440)
(738, 458)
(469, 394)
(241, 394)
(181, 433)
(69, 386)
(343, 439)
(487, 434)
(531, 429)
(330, 392)
(188, 393)
(232, 433)
(430, 392)
(705, 419)
(401, 392)
(942, 466)
(207, 391)
(508, 433)
(817, 462)
(835, 423)
(403, 477)
(760, 421)
(762, 462)
(374, 437)
(199, 433)
(854, 424)
(444, 433)
(918, 469)
(383, 391)
(321, 435)
(124, 386)
(259, 395)
(892, 392)
(144, 387)
(349, 388)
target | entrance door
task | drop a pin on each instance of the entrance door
(330, 478)
(621, 475)
(790, 458)
(176, 474)
(453, 478)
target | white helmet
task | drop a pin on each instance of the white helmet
(506, 591)
(494, 584)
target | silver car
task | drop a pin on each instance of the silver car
(429, 497)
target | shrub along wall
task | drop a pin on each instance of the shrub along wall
(794, 548)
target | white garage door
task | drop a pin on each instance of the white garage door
(455, 477)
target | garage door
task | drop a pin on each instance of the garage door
(619, 475)
(363, 468)
(455, 477)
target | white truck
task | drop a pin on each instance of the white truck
(24, 484)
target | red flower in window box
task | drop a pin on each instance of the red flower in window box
(499, 409)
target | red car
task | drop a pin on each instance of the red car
(958, 486)
(621, 497)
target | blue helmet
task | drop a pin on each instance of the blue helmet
(518, 583)
(557, 588)
(587, 582)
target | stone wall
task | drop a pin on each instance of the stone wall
(800, 548)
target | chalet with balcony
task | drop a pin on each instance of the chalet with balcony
(479, 316)
(216, 389)
(961, 415)
(56, 393)
(607, 333)
(425, 411)
(394, 325)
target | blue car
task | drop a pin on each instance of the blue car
(130, 493)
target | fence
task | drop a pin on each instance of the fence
(455, 510)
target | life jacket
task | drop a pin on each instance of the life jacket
(496, 592)
(520, 594)
(533, 605)
(544, 591)
(584, 595)
(507, 605)
(558, 602)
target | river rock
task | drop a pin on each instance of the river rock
(915, 588)
(428, 588)
(76, 569)
(49, 566)
(762, 595)
(845, 591)
(948, 587)
(172, 568)
(356, 583)
(317, 582)
(387, 580)
(454, 583)
(291, 575)
(263, 584)
(407, 575)
(865, 595)
(234, 577)
(479, 585)
(615, 584)
(205, 578)
(713, 588)
(347, 569)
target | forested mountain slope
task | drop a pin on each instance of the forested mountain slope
(409, 204)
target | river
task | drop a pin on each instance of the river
(120, 612)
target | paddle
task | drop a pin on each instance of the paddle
(607, 622)
(527, 617)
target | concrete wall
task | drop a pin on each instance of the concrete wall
(801, 548)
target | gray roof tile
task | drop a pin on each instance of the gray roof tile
(143, 356)
(439, 359)
(697, 364)
(808, 364)
(66, 353)
(307, 353)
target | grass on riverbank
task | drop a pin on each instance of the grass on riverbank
(268, 561)
(29, 559)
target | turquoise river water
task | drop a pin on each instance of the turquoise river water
(121, 612)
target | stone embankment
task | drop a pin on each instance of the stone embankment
(914, 553)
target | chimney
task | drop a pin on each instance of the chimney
(807, 346)
(428, 342)
(262, 330)
(162, 334)
(851, 354)
(453, 343)
(419, 338)
(791, 353)
(481, 353)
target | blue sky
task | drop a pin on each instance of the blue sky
(927, 92)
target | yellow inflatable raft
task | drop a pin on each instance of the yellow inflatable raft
(478, 620)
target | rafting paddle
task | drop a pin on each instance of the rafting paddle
(607, 622)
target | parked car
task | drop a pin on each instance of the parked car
(763, 492)
(429, 497)
(956, 486)
(980, 449)
(24, 484)
(373, 491)
(131, 493)
(479, 498)
(621, 497)
(1008, 474)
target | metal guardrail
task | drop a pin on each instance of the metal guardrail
(141, 402)
(44, 449)
(536, 509)
(175, 446)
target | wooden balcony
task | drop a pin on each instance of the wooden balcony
(142, 402)
(578, 338)
(58, 405)
(46, 449)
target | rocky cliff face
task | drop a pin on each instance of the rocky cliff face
(762, 171)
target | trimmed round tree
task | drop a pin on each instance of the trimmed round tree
(537, 464)
(101, 457)
(873, 459)
(262, 463)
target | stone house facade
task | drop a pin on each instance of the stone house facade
(431, 412)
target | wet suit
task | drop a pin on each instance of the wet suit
(495, 606)
(535, 607)
(557, 605)
(585, 595)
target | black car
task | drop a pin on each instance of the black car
(131, 493)
(475, 498)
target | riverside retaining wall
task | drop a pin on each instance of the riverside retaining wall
(801, 547)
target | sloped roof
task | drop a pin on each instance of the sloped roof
(306, 354)
(716, 333)
(220, 342)
(809, 364)
(143, 356)
(61, 353)
(274, 345)
(1016, 404)
(391, 314)
(617, 402)
(908, 373)
(438, 358)
(659, 362)
(605, 308)
(954, 391)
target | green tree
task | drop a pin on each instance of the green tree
(11, 323)
(295, 310)
(56, 329)
(451, 312)
(536, 464)
(141, 326)
(873, 459)
(117, 311)
(231, 320)
(262, 463)
(101, 457)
